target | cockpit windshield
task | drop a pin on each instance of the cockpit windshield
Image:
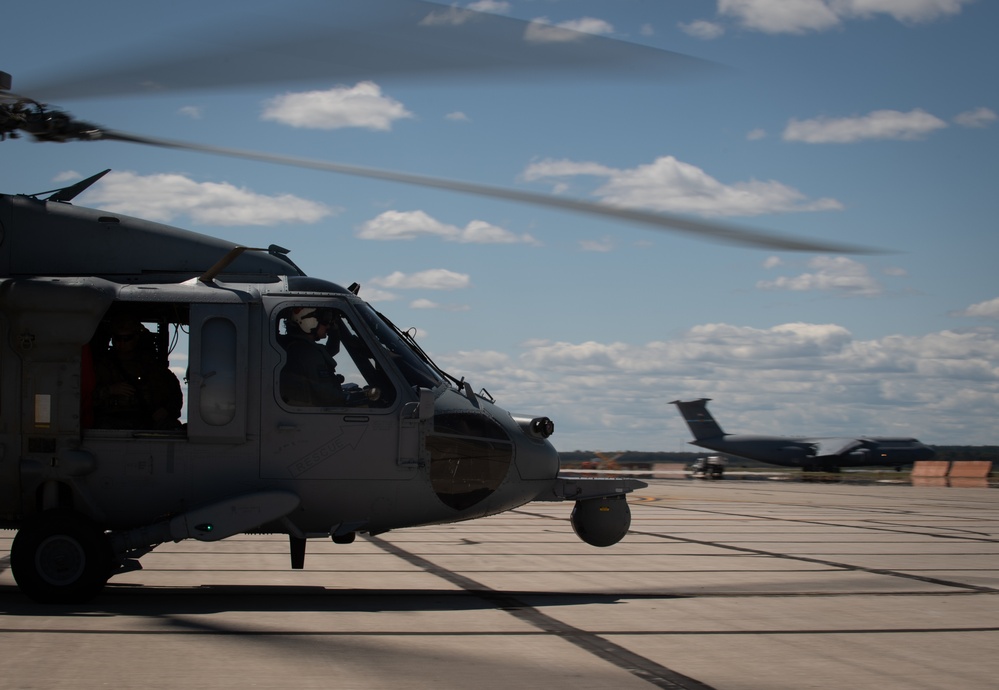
(418, 371)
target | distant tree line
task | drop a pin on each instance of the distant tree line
(968, 453)
(627, 458)
(634, 459)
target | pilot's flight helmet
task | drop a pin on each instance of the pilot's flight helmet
(309, 318)
(304, 318)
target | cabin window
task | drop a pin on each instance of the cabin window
(327, 362)
(218, 361)
(43, 410)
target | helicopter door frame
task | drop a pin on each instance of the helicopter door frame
(217, 379)
(10, 436)
(347, 442)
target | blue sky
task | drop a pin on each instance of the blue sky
(870, 122)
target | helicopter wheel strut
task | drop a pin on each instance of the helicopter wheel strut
(60, 557)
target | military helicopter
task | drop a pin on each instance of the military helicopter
(371, 436)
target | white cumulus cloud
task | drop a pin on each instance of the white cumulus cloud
(375, 294)
(703, 29)
(792, 378)
(803, 16)
(448, 16)
(432, 279)
(410, 225)
(880, 124)
(988, 309)
(668, 184)
(977, 118)
(163, 197)
(905, 11)
(780, 16)
(541, 30)
(362, 105)
(456, 16)
(424, 303)
(492, 6)
(829, 274)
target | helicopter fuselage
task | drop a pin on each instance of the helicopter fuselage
(377, 438)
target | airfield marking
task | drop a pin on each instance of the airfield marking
(828, 523)
(807, 559)
(932, 633)
(833, 564)
(623, 658)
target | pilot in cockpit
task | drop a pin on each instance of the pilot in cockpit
(309, 377)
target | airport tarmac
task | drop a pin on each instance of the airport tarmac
(730, 585)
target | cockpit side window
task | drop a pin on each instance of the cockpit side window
(327, 362)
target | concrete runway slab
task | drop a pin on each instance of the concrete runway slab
(730, 585)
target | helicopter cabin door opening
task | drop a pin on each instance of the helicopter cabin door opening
(132, 372)
(10, 390)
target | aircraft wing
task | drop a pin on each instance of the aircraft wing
(824, 447)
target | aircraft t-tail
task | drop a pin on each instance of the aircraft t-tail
(810, 453)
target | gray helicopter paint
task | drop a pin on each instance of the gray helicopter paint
(167, 472)
(431, 452)
(74, 241)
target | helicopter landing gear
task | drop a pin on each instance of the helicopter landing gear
(60, 557)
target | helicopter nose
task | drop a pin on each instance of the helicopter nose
(472, 454)
(470, 457)
(536, 457)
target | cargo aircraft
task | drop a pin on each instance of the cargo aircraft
(810, 453)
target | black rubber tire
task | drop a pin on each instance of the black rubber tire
(60, 557)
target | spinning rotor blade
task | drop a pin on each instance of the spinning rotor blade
(366, 39)
(349, 40)
(729, 234)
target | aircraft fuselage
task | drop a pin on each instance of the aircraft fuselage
(801, 452)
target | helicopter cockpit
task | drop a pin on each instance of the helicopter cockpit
(329, 364)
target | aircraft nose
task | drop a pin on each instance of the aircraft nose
(470, 457)
(536, 458)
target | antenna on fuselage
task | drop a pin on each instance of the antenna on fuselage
(66, 194)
